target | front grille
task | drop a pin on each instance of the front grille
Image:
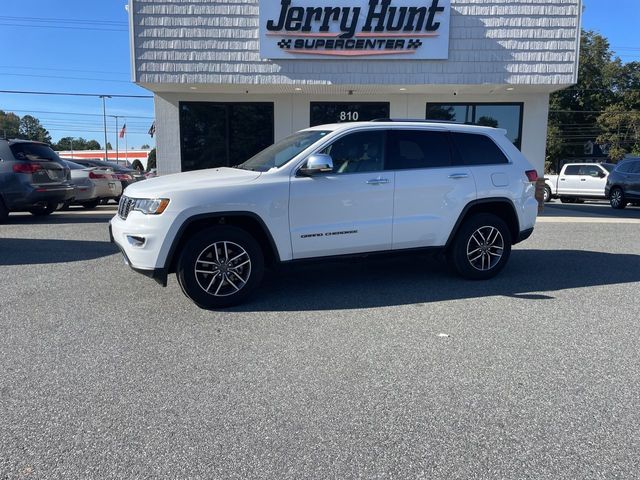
(125, 206)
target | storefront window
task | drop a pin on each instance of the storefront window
(498, 115)
(223, 134)
(329, 112)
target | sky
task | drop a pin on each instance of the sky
(82, 46)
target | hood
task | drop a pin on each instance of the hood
(163, 186)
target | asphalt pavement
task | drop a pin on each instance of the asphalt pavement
(377, 368)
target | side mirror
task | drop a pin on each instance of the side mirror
(317, 163)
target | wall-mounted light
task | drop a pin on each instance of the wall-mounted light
(403, 89)
(193, 88)
(510, 89)
(298, 89)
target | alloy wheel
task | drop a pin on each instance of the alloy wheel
(616, 198)
(485, 248)
(223, 268)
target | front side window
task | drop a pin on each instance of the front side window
(358, 152)
(414, 149)
(635, 167)
(572, 170)
(474, 149)
(496, 115)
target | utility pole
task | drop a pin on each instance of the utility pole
(104, 121)
(117, 136)
(71, 147)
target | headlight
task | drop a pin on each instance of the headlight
(153, 206)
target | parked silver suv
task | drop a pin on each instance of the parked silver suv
(32, 178)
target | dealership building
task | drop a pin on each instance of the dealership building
(231, 77)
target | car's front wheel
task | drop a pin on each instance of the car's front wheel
(220, 267)
(44, 210)
(481, 247)
(616, 198)
(547, 194)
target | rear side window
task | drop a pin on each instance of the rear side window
(33, 152)
(572, 170)
(590, 170)
(410, 149)
(476, 149)
(634, 167)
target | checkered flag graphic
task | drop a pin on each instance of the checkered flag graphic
(414, 44)
(284, 43)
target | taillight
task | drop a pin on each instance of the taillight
(97, 175)
(26, 167)
(532, 175)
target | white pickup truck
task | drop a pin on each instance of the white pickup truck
(578, 181)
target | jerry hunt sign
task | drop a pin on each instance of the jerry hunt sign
(393, 29)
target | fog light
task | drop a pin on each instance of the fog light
(136, 241)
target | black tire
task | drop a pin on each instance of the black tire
(469, 236)
(64, 206)
(567, 200)
(547, 194)
(91, 205)
(44, 210)
(617, 198)
(204, 245)
(4, 212)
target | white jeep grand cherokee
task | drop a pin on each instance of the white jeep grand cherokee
(332, 190)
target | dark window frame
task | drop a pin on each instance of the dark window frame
(312, 104)
(227, 105)
(474, 105)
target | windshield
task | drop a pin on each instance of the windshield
(282, 152)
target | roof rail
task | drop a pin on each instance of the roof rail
(420, 120)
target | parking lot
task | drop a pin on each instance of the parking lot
(389, 368)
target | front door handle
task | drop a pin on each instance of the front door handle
(459, 176)
(377, 181)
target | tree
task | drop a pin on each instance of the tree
(32, 129)
(137, 165)
(151, 160)
(9, 125)
(620, 122)
(574, 111)
(144, 147)
(487, 122)
(93, 145)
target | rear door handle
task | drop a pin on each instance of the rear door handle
(583, 179)
(459, 176)
(377, 181)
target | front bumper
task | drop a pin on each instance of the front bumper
(140, 257)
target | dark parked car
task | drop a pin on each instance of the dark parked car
(32, 178)
(623, 184)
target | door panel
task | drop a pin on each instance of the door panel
(341, 214)
(428, 202)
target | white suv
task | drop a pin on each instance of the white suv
(332, 190)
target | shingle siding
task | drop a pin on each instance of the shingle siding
(532, 42)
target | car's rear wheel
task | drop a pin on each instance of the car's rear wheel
(220, 267)
(616, 198)
(4, 212)
(44, 210)
(481, 247)
(91, 205)
(547, 194)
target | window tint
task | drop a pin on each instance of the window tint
(476, 149)
(358, 152)
(497, 115)
(73, 165)
(634, 167)
(223, 134)
(33, 152)
(572, 170)
(589, 170)
(408, 149)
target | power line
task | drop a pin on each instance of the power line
(65, 78)
(16, 67)
(66, 28)
(64, 20)
(112, 95)
(76, 113)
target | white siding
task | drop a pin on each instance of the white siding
(524, 42)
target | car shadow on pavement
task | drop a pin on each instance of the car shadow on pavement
(57, 219)
(30, 251)
(588, 210)
(352, 284)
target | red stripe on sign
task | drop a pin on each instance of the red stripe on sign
(348, 53)
(396, 35)
(307, 35)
